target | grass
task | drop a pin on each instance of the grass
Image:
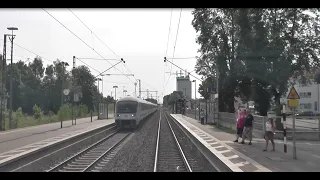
(28, 121)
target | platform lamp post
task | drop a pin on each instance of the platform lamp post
(115, 98)
(195, 99)
(11, 73)
(98, 79)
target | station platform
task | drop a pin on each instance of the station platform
(22, 141)
(251, 158)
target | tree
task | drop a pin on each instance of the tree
(254, 52)
(206, 86)
(83, 77)
(174, 96)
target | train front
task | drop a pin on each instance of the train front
(126, 111)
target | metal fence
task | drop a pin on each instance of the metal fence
(306, 128)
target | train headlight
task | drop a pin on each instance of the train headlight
(132, 115)
(118, 115)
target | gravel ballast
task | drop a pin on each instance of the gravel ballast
(137, 155)
(196, 159)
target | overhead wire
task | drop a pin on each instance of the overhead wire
(174, 49)
(165, 64)
(106, 46)
(81, 40)
(99, 59)
(89, 65)
(31, 52)
(100, 41)
(94, 33)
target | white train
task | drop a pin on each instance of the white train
(130, 111)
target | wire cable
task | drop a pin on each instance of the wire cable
(93, 33)
(89, 66)
(173, 50)
(81, 40)
(95, 36)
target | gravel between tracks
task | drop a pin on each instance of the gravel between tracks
(196, 159)
(138, 153)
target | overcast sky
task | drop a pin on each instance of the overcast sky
(139, 36)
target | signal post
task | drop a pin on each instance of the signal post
(293, 102)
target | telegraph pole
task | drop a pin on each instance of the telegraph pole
(11, 74)
(98, 99)
(135, 89)
(195, 100)
(140, 88)
(3, 96)
(73, 94)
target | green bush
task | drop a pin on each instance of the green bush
(51, 116)
(82, 110)
(65, 112)
(37, 112)
(19, 115)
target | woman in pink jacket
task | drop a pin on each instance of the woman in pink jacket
(240, 124)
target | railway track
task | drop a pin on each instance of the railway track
(169, 154)
(95, 156)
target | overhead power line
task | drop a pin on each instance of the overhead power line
(164, 74)
(89, 66)
(93, 33)
(174, 49)
(82, 41)
(100, 41)
(100, 59)
(31, 52)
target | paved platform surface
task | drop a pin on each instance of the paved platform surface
(17, 138)
(308, 152)
(41, 140)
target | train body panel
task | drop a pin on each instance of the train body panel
(130, 111)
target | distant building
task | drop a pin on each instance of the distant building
(184, 85)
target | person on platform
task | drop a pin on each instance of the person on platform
(270, 129)
(240, 124)
(202, 116)
(248, 127)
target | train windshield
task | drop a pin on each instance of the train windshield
(127, 107)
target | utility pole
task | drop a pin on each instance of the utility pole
(147, 94)
(73, 94)
(217, 75)
(139, 88)
(135, 89)
(98, 79)
(11, 74)
(195, 99)
(3, 96)
(102, 87)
